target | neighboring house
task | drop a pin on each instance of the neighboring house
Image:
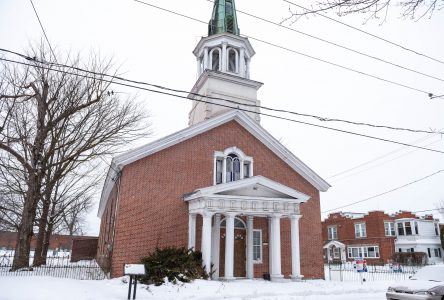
(353, 235)
(59, 245)
(223, 185)
(376, 236)
(419, 235)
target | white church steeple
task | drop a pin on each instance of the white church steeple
(223, 68)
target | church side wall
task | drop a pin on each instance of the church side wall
(153, 214)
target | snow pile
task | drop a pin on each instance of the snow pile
(47, 288)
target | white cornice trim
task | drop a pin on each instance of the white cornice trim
(242, 118)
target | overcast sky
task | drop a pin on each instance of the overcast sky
(155, 46)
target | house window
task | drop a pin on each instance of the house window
(437, 254)
(429, 252)
(389, 228)
(436, 229)
(257, 246)
(332, 233)
(360, 230)
(232, 165)
(408, 228)
(416, 228)
(363, 252)
(400, 229)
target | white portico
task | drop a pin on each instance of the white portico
(255, 197)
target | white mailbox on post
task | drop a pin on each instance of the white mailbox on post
(133, 270)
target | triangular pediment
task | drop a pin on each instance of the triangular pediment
(257, 187)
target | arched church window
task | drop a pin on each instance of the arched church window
(233, 168)
(238, 223)
(233, 58)
(232, 165)
(215, 59)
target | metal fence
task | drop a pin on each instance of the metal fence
(55, 267)
(388, 272)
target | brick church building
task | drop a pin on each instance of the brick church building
(223, 185)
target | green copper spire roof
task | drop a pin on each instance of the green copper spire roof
(224, 19)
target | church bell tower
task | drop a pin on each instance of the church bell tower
(223, 69)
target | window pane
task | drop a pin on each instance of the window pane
(408, 228)
(246, 170)
(257, 245)
(219, 166)
(215, 60)
(236, 169)
(400, 229)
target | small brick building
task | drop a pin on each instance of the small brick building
(223, 185)
(376, 236)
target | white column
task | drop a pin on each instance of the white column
(276, 245)
(250, 266)
(215, 246)
(242, 65)
(224, 57)
(295, 249)
(229, 246)
(192, 231)
(206, 241)
(206, 60)
(270, 246)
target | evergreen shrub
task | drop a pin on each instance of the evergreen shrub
(176, 264)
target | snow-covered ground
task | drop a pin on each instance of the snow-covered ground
(46, 288)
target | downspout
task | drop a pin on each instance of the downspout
(119, 175)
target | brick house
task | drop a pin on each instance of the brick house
(223, 185)
(377, 236)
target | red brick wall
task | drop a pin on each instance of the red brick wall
(84, 249)
(151, 212)
(374, 221)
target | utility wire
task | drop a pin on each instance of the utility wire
(367, 33)
(337, 45)
(223, 105)
(428, 210)
(319, 118)
(43, 29)
(429, 94)
(385, 193)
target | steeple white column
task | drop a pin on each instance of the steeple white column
(276, 273)
(242, 66)
(224, 57)
(206, 60)
(206, 241)
(295, 249)
(250, 266)
(215, 246)
(192, 231)
(229, 246)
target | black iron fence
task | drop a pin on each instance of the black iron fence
(55, 267)
(347, 271)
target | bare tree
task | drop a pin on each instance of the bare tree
(54, 121)
(413, 9)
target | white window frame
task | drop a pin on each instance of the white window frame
(244, 159)
(404, 231)
(362, 251)
(332, 232)
(389, 228)
(258, 261)
(360, 230)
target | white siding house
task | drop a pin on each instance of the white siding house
(419, 235)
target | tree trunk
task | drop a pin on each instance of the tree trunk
(25, 232)
(39, 258)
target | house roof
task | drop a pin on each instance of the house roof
(120, 161)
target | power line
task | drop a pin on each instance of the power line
(367, 33)
(385, 193)
(337, 45)
(440, 210)
(299, 53)
(43, 29)
(379, 158)
(319, 118)
(222, 105)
